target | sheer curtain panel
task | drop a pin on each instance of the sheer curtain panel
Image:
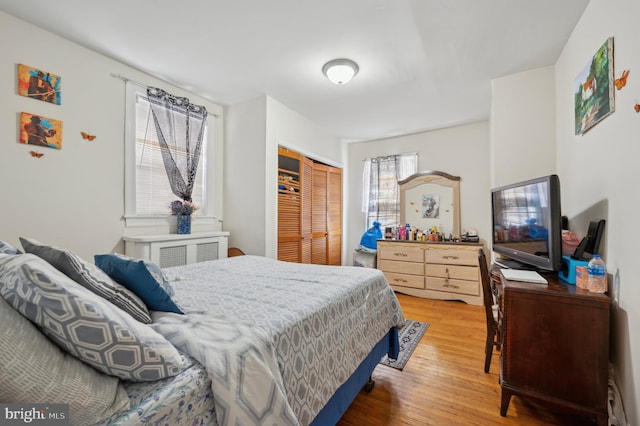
(180, 126)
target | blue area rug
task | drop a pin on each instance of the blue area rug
(409, 336)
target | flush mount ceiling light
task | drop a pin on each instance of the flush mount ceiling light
(340, 71)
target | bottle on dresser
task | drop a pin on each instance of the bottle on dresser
(597, 272)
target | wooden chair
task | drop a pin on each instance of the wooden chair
(234, 251)
(491, 311)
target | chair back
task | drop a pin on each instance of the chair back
(487, 294)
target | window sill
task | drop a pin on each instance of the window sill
(165, 220)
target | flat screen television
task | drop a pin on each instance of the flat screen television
(527, 224)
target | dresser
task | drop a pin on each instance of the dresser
(177, 249)
(441, 270)
(555, 345)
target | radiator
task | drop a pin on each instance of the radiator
(175, 250)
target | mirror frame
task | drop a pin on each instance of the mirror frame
(438, 178)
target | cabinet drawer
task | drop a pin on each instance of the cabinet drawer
(405, 280)
(405, 253)
(453, 286)
(451, 256)
(469, 273)
(413, 268)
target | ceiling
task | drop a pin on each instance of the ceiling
(424, 64)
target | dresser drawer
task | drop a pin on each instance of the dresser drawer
(413, 268)
(405, 280)
(451, 256)
(469, 273)
(407, 253)
(453, 286)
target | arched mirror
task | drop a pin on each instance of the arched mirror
(429, 199)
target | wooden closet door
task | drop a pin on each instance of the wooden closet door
(319, 215)
(289, 204)
(334, 216)
(306, 190)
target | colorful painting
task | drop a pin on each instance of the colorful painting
(430, 206)
(40, 131)
(594, 89)
(38, 84)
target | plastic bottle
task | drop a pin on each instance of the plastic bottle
(597, 275)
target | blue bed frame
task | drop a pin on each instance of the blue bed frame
(344, 396)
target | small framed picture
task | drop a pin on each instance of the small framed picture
(39, 84)
(430, 206)
(40, 131)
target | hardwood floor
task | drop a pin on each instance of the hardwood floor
(444, 382)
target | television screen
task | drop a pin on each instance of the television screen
(527, 223)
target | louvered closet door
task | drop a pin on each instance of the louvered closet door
(289, 204)
(334, 216)
(306, 190)
(319, 215)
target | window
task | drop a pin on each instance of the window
(381, 193)
(148, 193)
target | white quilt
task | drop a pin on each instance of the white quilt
(277, 338)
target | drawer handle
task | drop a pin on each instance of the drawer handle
(451, 285)
(400, 280)
(400, 254)
(450, 257)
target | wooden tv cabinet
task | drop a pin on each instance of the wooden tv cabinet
(555, 345)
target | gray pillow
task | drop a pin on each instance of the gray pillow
(89, 276)
(36, 371)
(84, 324)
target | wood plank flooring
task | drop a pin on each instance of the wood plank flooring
(444, 382)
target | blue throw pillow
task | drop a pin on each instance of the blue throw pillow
(7, 248)
(138, 276)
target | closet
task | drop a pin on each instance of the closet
(309, 210)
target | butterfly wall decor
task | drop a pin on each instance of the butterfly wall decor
(622, 81)
(36, 154)
(87, 136)
(637, 107)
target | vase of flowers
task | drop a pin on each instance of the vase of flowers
(182, 210)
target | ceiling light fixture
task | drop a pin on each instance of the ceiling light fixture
(340, 71)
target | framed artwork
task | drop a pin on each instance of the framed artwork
(593, 89)
(431, 206)
(40, 131)
(39, 84)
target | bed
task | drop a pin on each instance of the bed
(258, 341)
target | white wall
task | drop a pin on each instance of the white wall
(255, 130)
(72, 197)
(598, 171)
(244, 174)
(523, 126)
(460, 151)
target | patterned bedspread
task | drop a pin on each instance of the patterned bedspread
(276, 338)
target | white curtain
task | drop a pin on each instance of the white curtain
(380, 190)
